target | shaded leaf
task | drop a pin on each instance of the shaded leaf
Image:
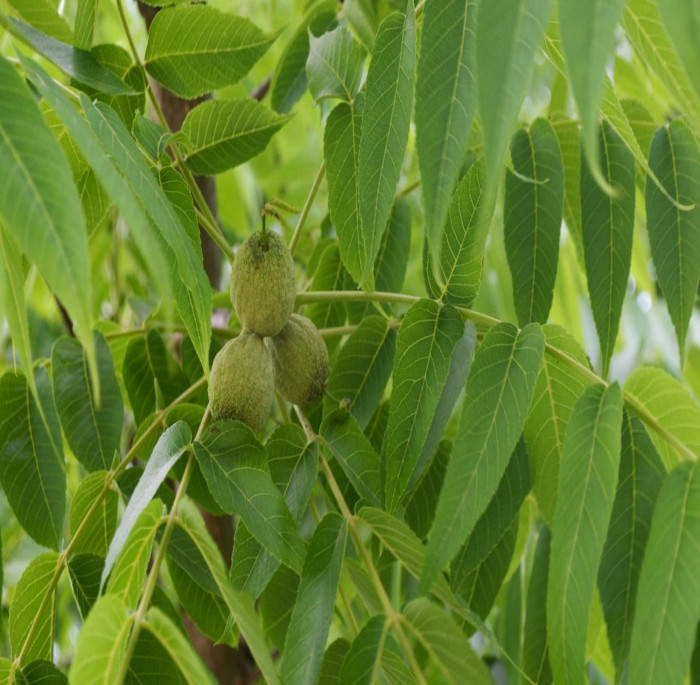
(499, 392)
(93, 431)
(445, 105)
(360, 665)
(386, 117)
(674, 235)
(426, 343)
(608, 226)
(311, 617)
(85, 571)
(641, 476)
(447, 645)
(234, 465)
(31, 457)
(96, 530)
(588, 477)
(533, 207)
(362, 369)
(508, 35)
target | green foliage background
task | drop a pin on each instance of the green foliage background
(494, 209)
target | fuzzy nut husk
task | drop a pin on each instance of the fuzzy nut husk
(262, 284)
(242, 381)
(300, 361)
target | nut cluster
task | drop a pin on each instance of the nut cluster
(276, 347)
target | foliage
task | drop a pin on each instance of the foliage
(493, 215)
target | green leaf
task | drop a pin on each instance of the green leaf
(533, 208)
(143, 231)
(193, 50)
(188, 280)
(208, 610)
(13, 275)
(535, 658)
(31, 457)
(556, 391)
(129, 571)
(85, 571)
(445, 105)
(341, 144)
(498, 516)
(464, 239)
(500, 388)
(330, 275)
(420, 509)
(445, 642)
(362, 369)
(588, 40)
(334, 66)
(311, 617)
(43, 15)
(426, 350)
(85, 21)
(293, 463)
(479, 584)
(587, 481)
(674, 235)
(240, 606)
(681, 20)
(646, 33)
(225, 133)
(277, 603)
(608, 226)
(78, 64)
(386, 119)
(101, 643)
(35, 582)
(361, 661)
(289, 82)
(666, 617)
(508, 36)
(39, 204)
(178, 647)
(234, 465)
(98, 529)
(354, 453)
(43, 672)
(171, 445)
(333, 662)
(93, 431)
(669, 410)
(639, 482)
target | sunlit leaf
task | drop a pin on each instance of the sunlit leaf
(195, 49)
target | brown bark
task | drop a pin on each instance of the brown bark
(229, 666)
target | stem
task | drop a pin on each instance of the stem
(487, 321)
(97, 503)
(152, 579)
(409, 188)
(307, 207)
(392, 617)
